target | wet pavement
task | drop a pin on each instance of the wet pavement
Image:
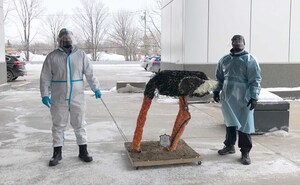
(26, 142)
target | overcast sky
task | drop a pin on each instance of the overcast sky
(113, 5)
(67, 7)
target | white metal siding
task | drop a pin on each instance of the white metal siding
(176, 32)
(165, 2)
(270, 30)
(2, 42)
(295, 32)
(201, 29)
(227, 18)
(195, 32)
(166, 34)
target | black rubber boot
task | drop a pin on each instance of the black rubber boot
(245, 158)
(56, 156)
(227, 150)
(83, 154)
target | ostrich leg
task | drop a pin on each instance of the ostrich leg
(138, 133)
(182, 120)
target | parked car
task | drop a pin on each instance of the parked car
(154, 64)
(15, 67)
(145, 61)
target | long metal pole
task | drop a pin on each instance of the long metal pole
(120, 130)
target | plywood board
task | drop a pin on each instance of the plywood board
(152, 154)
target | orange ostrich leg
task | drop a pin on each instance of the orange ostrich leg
(138, 133)
(183, 117)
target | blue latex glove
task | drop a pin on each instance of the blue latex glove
(46, 101)
(98, 94)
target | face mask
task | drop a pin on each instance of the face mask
(237, 47)
(66, 44)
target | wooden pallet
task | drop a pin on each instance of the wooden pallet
(152, 154)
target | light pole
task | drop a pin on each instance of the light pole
(145, 39)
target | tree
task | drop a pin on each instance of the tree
(90, 19)
(54, 23)
(134, 44)
(154, 24)
(6, 9)
(124, 35)
(27, 11)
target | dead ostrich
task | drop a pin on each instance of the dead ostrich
(172, 83)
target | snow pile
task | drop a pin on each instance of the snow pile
(166, 99)
(107, 56)
(37, 58)
(130, 89)
(265, 95)
(114, 89)
(277, 133)
(33, 57)
(100, 56)
(110, 57)
(280, 89)
(33, 67)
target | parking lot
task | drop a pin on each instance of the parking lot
(26, 142)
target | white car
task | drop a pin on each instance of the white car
(154, 64)
(145, 61)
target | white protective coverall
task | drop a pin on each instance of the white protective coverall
(62, 78)
(239, 80)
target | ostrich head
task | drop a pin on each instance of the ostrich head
(193, 86)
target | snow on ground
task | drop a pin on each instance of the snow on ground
(110, 56)
(277, 133)
(24, 158)
(97, 132)
(167, 99)
(113, 166)
(33, 67)
(37, 58)
(114, 89)
(130, 89)
(280, 89)
(132, 67)
(33, 57)
(103, 56)
(265, 95)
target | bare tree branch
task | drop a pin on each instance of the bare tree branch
(54, 24)
(124, 35)
(155, 37)
(153, 23)
(153, 27)
(90, 19)
(27, 11)
(6, 9)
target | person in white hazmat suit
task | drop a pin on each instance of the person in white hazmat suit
(239, 77)
(62, 90)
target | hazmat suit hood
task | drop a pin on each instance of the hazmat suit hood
(65, 38)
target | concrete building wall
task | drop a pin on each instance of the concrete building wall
(270, 30)
(275, 75)
(201, 36)
(3, 78)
